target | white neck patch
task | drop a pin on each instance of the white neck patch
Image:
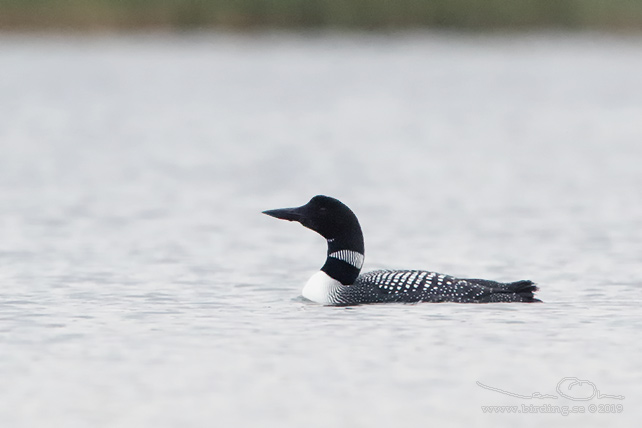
(321, 288)
(351, 257)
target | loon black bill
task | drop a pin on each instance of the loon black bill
(290, 214)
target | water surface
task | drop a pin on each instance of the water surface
(141, 287)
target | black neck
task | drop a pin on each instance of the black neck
(343, 271)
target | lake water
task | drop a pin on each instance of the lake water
(141, 287)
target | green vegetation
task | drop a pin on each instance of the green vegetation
(365, 14)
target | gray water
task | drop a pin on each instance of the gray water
(141, 287)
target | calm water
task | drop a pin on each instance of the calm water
(141, 287)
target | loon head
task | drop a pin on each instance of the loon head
(337, 223)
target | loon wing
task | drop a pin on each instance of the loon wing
(420, 285)
(426, 286)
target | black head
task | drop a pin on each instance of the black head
(328, 217)
(337, 223)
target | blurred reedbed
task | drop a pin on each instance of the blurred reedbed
(606, 15)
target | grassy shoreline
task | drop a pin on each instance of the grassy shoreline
(606, 15)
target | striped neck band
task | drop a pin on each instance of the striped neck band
(353, 258)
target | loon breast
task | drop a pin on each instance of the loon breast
(321, 288)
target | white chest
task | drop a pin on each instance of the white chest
(321, 288)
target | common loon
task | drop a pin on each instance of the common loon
(339, 283)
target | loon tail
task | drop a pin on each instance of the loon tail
(523, 288)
